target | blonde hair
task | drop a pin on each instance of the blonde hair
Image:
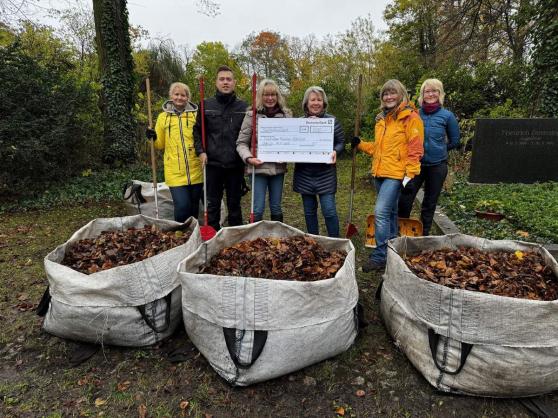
(306, 98)
(398, 87)
(180, 85)
(436, 85)
(266, 82)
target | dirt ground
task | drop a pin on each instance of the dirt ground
(372, 379)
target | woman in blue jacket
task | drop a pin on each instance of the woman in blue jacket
(318, 181)
(441, 134)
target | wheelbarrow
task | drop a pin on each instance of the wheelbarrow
(407, 226)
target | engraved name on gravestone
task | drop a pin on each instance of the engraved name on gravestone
(515, 151)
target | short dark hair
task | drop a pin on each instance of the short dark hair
(224, 68)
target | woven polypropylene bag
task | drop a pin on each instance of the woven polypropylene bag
(132, 305)
(470, 342)
(139, 199)
(253, 329)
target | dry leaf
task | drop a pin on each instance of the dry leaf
(519, 274)
(142, 411)
(22, 297)
(184, 404)
(100, 402)
(123, 386)
(117, 248)
(521, 233)
(340, 411)
(294, 258)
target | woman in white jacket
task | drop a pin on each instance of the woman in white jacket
(270, 103)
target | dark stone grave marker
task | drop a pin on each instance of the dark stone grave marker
(515, 151)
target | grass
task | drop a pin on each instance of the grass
(92, 186)
(37, 381)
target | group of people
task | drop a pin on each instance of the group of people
(410, 149)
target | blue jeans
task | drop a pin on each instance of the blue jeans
(385, 216)
(186, 201)
(274, 184)
(329, 211)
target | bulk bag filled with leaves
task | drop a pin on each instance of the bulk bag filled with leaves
(139, 199)
(473, 325)
(135, 304)
(252, 329)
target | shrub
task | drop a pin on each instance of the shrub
(48, 126)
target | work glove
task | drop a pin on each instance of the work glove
(151, 134)
(406, 180)
(354, 142)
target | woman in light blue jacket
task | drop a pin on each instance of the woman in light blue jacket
(441, 134)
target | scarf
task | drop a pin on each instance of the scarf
(271, 112)
(430, 107)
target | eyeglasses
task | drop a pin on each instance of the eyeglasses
(431, 92)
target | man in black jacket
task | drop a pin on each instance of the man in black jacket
(224, 114)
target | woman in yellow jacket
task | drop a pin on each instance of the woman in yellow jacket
(173, 133)
(396, 153)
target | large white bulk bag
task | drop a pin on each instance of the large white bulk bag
(139, 199)
(253, 329)
(470, 342)
(132, 305)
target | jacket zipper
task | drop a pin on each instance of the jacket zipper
(381, 147)
(184, 149)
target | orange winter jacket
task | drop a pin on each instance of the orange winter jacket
(398, 145)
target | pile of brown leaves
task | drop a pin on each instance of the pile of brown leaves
(118, 248)
(295, 258)
(522, 274)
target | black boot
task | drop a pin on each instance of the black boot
(277, 217)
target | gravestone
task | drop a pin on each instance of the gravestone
(515, 151)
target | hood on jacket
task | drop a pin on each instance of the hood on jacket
(168, 107)
(402, 110)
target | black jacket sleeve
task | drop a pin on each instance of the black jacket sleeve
(338, 138)
(197, 133)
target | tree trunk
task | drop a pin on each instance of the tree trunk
(117, 79)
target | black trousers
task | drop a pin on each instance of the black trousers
(230, 181)
(433, 177)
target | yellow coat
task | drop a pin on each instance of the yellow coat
(174, 135)
(398, 145)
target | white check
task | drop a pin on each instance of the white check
(295, 139)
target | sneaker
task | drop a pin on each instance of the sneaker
(370, 266)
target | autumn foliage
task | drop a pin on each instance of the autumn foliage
(117, 248)
(294, 258)
(519, 274)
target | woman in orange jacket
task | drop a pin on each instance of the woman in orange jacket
(396, 153)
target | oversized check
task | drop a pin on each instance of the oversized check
(295, 139)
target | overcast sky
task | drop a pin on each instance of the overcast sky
(180, 21)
